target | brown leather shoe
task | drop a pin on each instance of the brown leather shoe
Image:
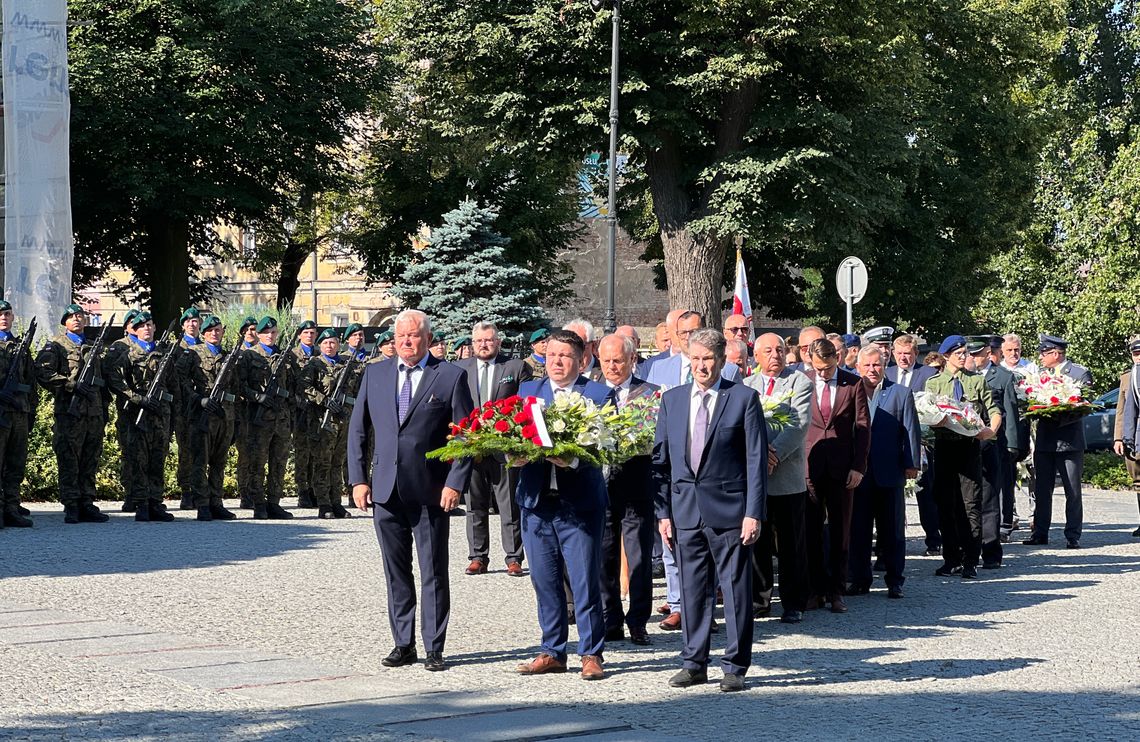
(664, 609)
(476, 567)
(838, 605)
(514, 569)
(592, 667)
(543, 664)
(672, 622)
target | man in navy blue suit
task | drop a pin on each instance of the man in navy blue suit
(563, 508)
(711, 459)
(895, 440)
(408, 403)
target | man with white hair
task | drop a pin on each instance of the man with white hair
(583, 329)
(736, 354)
(1012, 359)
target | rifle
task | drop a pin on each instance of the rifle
(89, 374)
(218, 391)
(338, 393)
(12, 383)
(156, 391)
(273, 388)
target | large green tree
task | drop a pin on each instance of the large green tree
(190, 112)
(892, 129)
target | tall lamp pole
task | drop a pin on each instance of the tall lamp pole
(610, 319)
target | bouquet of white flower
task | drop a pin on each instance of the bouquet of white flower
(940, 411)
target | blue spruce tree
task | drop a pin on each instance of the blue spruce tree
(463, 276)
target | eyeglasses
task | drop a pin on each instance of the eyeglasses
(738, 330)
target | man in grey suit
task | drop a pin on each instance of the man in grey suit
(491, 377)
(787, 487)
(1059, 450)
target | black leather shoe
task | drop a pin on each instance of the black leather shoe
(259, 512)
(1073, 544)
(127, 506)
(615, 634)
(991, 565)
(858, 589)
(761, 611)
(23, 510)
(659, 567)
(934, 551)
(640, 637)
(969, 572)
(153, 513)
(88, 513)
(434, 662)
(731, 683)
(276, 512)
(1035, 541)
(13, 519)
(1136, 533)
(947, 571)
(220, 513)
(894, 592)
(204, 513)
(792, 617)
(401, 656)
(246, 502)
(685, 678)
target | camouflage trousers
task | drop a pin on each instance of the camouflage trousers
(268, 447)
(78, 444)
(13, 458)
(145, 456)
(303, 458)
(330, 450)
(210, 451)
(184, 434)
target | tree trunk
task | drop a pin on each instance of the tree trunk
(296, 253)
(168, 268)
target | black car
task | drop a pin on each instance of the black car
(1099, 425)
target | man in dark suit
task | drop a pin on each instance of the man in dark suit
(629, 516)
(711, 460)
(1126, 431)
(491, 377)
(409, 403)
(838, 440)
(1059, 451)
(895, 441)
(563, 508)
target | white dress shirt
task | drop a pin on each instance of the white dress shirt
(621, 391)
(710, 405)
(831, 384)
(906, 376)
(417, 377)
(873, 401)
(479, 366)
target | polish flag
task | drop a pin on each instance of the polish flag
(741, 301)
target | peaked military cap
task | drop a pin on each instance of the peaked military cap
(1051, 342)
(881, 334)
(976, 345)
(69, 310)
(266, 323)
(1134, 345)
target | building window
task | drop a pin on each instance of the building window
(339, 320)
(248, 242)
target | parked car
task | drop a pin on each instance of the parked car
(1099, 425)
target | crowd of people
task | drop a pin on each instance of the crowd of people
(730, 506)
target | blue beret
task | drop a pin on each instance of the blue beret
(953, 342)
(851, 341)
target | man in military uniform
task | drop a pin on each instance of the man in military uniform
(77, 438)
(958, 477)
(17, 413)
(113, 356)
(328, 445)
(302, 448)
(191, 321)
(268, 431)
(461, 348)
(387, 342)
(148, 417)
(354, 341)
(248, 334)
(537, 358)
(211, 420)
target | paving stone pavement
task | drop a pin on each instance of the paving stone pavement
(275, 630)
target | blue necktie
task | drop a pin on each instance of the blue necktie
(405, 400)
(959, 392)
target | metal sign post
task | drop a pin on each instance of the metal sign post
(851, 283)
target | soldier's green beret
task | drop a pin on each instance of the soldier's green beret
(140, 319)
(385, 337)
(354, 327)
(69, 310)
(539, 334)
(191, 313)
(247, 323)
(211, 320)
(266, 323)
(307, 325)
(130, 315)
(5, 306)
(460, 342)
(326, 334)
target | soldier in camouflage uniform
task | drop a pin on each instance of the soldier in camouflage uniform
(329, 444)
(147, 434)
(387, 342)
(114, 351)
(76, 439)
(191, 321)
(17, 413)
(354, 340)
(248, 334)
(270, 416)
(537, 358)
(303, 462)
(211, 420)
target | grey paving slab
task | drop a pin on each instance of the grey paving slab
(62, 631)
(35, 617)
(135, 640)
(241, 675)
(521, 724)
(185, 657)
(324, 692)
(413, 708)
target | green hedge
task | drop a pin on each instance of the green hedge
(1105, 470)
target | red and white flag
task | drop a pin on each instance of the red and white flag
(741, 301)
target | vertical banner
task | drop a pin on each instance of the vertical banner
(37, 228)
(741, 300)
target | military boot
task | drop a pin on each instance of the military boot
(246, 503)
(204, 513)
(186, 502)
(218, 510)
(128, 506)
(339, 511)
(276, 512)
(71, 513)
(13, 519)
(149, 511)
(23, 510)
(260, 512)
(88, 513)
(305, 499)
(326, 512)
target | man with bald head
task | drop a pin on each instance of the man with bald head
(641, 365)
(670, 337)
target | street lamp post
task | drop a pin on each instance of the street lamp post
(610, 320)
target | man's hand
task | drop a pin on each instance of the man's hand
(853, 479)
(1118, 448)
(911, 473)
(362, 496)
(749, 531)
(449, 499)
(516, 461)
(665, 528)
(773, 459)
(986, 434)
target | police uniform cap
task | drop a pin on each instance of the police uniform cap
(540, 334)
(190, 313)
(266, 323)
(976, 345)
(1134, 345)
(953, 342)
(140, 319)
(307, 325)
(354, 327)
(882, 334)
(1051, 342)
(326, 334)
(460, 342)
(69, 310)
(211, 320)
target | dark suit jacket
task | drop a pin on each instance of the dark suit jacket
(732, 480)
(1014, 429)
(842, 444)
(895, 436)
(397, 457)
(1125, 428)
(506, 375)
(583, 487)
(918, 376)
(633, 481)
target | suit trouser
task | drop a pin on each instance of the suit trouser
(829, 574)
(491, 481)
(1069, 465)
(958, 489)
(562, 541)
(928, 505)
(398, 525)
(885, 508)
(631, 524)
(1133, 467)
(1008, 487)
(703, 555)
(991, 501)
(783, 535)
